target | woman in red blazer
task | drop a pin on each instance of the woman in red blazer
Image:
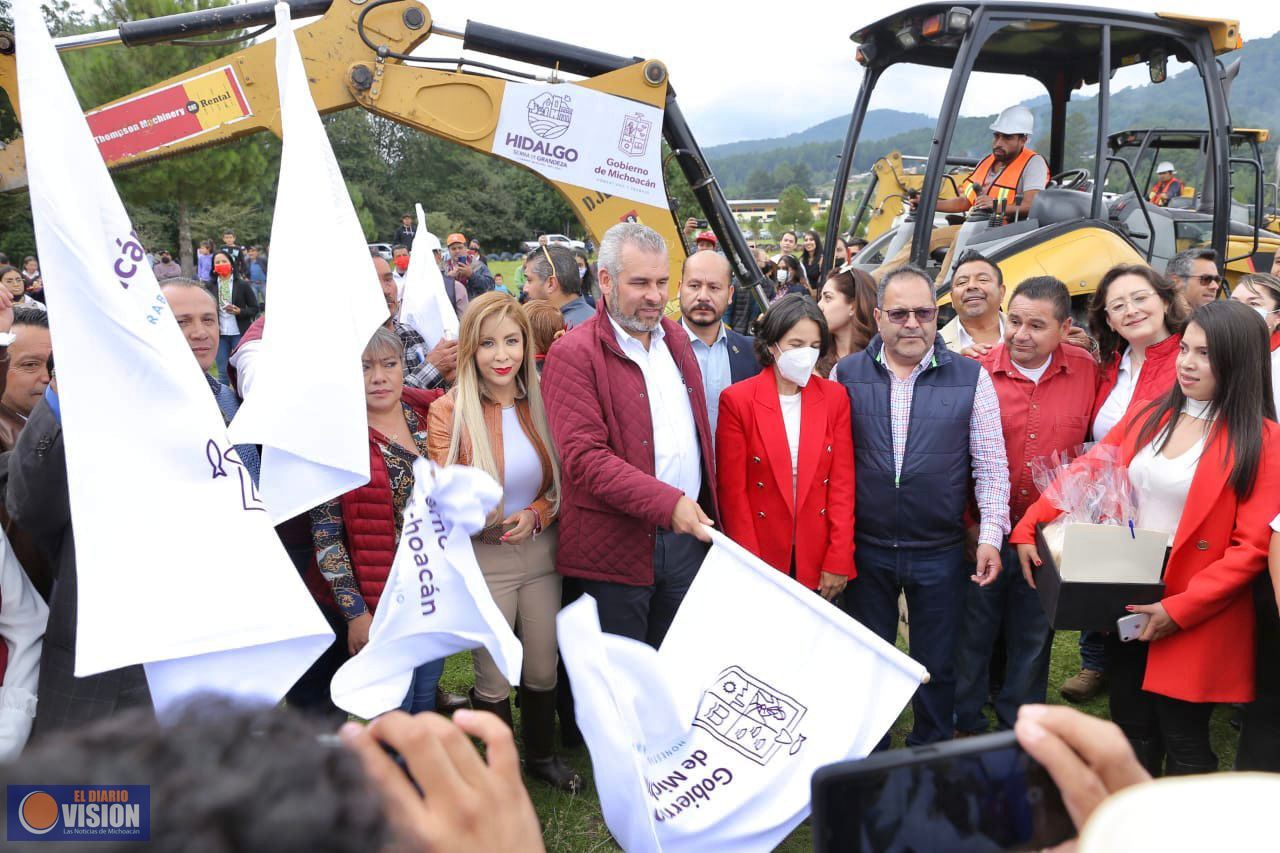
(784, 454)
(1205, 466)
(1136, 316)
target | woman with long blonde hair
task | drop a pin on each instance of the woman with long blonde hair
(493, 419)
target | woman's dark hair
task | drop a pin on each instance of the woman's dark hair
(772, 326)
(817, 249)
(227, 777)
(1109, 340)
(859, 288)
(1261, 283)
(795, 272)
(1240, 358)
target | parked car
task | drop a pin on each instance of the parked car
(556, 240)
(383, 249)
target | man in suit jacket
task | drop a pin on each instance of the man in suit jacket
(38, 501)
(724, 356)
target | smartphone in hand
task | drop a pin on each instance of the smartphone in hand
(1130, 627)
(977, 794)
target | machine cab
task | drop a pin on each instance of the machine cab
(1070, 229)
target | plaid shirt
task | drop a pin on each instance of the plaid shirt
(418, 372)
(986, 445)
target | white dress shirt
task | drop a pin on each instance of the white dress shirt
(676, 457)
(1161, 484)
(791, 422)
(1117, 402)
(966, 340)
(23, 615)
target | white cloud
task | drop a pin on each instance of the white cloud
(752, 70)
(746, 71)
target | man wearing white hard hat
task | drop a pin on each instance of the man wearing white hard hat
(1167, 186)
(1011, 174)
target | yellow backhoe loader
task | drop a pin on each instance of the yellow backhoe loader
(361, 53)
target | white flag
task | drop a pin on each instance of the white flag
(710, 743)
(179, 567)
(307, 405)
(425, 305)
(436, 601)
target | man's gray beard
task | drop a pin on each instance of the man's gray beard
(630, 323)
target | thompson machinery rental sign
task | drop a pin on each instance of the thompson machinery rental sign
(579, 136)
(168, 115)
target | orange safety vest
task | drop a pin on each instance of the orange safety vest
(1006, 183)
(1161, 188)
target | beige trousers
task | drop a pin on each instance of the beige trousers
(523, 582)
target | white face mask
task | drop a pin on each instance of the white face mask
(781, 276)
(797, 364)
(1263, 313)
(582, 271)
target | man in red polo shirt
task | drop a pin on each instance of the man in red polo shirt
(1046, 389)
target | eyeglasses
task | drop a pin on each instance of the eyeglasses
(1139, 301)
(1205, 280)
(898, 316)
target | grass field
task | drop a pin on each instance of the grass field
(507, 269)
(573, 824)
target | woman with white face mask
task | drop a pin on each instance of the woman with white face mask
(1261, 292)
(784, 454)
(789, 278)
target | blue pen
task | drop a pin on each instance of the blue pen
(1132, 533)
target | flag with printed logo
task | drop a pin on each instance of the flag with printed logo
(710, 742)
(425, 305)
(307, 405)
(436, 601)
(178, 565)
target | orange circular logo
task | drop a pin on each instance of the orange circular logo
(38, 812)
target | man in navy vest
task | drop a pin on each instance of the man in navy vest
(926, 424)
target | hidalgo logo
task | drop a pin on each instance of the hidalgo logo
(79, 812)
(550, 115)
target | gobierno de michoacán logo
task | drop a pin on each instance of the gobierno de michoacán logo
(78, 812)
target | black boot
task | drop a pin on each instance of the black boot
(502, 709)
(537, 727)
(1150, 754)
(447, 703)
(570, 735)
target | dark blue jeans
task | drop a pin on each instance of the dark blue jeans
(934, 584)
(422, 689)
(226, 345)
(1093, 651)
(1028, 641)
(645, 613)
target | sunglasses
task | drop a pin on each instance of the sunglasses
(1205, 280)
(898, 316)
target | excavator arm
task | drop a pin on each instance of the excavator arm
(358, 53)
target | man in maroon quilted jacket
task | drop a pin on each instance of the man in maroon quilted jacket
(629, 417)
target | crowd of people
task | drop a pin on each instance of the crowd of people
(848, 441)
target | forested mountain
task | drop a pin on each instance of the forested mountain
(1178, 102)
(877, 125)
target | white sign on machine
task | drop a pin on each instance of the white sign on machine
(579, 136)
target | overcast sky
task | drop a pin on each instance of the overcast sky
(754, 70)
(746, 71)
